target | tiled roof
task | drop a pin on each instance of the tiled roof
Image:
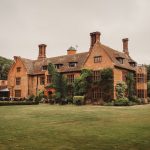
(35, 66)
(113, 54)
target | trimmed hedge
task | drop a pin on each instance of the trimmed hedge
(78, 100)
(121, 102)
(8, 103)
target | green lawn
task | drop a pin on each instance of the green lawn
(46, 127)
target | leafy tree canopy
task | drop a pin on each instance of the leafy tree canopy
(4, 67)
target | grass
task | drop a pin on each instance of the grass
(46, 127)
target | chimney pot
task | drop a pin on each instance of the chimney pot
(42, 51)
(125, 45)
(95, 36)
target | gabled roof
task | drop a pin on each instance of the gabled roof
(113, 54)
(35, 66)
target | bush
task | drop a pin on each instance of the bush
(70, 99)
(121, 102)
(78, 100)
(63, 101)
(136, 100)
(31, 98)
(8, 103)
(148, 99)
(108, 104)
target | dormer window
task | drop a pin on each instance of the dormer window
(58, 66)
(72, 64)
(97, 59)
(44, 67)
(133, 64)
(120, 59)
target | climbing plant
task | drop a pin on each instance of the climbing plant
(130, 84)
(106, 83)
(121, 88)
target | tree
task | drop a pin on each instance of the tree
(83, 83)
(4, 67)
(59, 82)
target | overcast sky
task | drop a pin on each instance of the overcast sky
(24, 24)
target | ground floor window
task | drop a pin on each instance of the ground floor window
(17, 93)
(141, 93)
(97, 93)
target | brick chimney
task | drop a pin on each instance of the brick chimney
(42, 51)
(125, 46)
(71, 51)
(95, 36)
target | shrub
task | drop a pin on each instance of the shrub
(31, 98)
(148, 99)
(70, 99)
(63, 101)
(108, 104)
(121, 102)
(136, 100)
(8, 103)
(78, 100)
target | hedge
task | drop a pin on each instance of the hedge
(8, 103)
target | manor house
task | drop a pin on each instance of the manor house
(26, 77)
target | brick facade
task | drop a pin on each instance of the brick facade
(33, 73)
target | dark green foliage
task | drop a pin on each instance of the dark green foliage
(4, 67)
(130, 84)
(83, 83)
(148, 72)
(59, 82)
(106, 84)
(121, 102)
(121, 88)
(148, 88)
(8, 103)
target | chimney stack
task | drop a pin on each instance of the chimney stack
(42, 51)
(71, 51)
(125, 46)
(95, 36)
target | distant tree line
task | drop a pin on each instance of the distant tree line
(4, 67)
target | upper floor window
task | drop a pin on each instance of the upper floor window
(97, 59)
(120, 59)
(18, 69)
(49, 79)
(44, 67)
(18, 81)
(58, 66)
(72, 64)
(140, 78)
(96, 75)
(42, 80)
(70, 78)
